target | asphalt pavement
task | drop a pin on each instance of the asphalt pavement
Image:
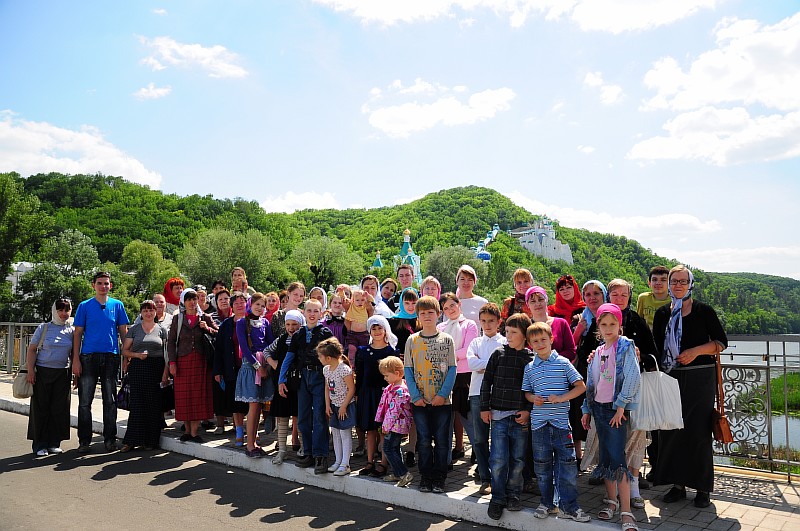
(149, 490)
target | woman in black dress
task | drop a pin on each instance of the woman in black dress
(689, 335)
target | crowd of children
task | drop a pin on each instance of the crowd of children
(426, 367)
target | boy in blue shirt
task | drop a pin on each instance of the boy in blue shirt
(550, 381)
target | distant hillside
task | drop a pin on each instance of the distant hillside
(112, 212)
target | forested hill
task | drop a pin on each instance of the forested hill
(113, 212)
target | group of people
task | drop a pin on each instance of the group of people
(530, 383)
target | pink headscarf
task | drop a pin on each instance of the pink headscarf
(613, 309)
(535, 289)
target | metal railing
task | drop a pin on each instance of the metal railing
(764, 431)
(14, 341)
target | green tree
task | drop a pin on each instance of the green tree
(213, 253)
(64, 268)
(149, 268)
(443, 263)
(324, 262)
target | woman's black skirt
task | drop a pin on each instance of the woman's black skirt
(145, 418)
(48, 423)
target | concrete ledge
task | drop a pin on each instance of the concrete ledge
(449, 505)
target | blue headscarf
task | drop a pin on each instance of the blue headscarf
(672, 341)
(401, 309)
(587, 315)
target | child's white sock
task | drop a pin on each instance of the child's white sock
(635, 487)
(347, 447)
(337, 444)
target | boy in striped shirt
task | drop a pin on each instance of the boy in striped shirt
(550, 381)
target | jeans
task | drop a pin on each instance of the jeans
(480, 443)
(311, 418)
(391, 449)
(507, 458)
(611, 461)
(104, 366)
(554, 446)
(433, 429)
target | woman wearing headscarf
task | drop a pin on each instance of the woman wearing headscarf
(585, 337)
(144, 346)
(172, 293)
(49, 372)
(463, 330)
(188, 365)
(569, 304)
(689, 335)
(536, 300)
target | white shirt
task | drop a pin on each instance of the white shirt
(478, 354)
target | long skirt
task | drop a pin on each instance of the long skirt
(225, 403)
(283, 407)
(145, 419)
(685, 457)
(193, 399)
(48, 423)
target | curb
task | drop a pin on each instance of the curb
(449, 505)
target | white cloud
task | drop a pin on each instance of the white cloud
(466, 23)
(400, 118)
(752, 64)
(31, 147)
(724, 98)
(160, 11)
(586, 150)
(664, 227)
(609, 94)
(781, 261)
(151, 92)
(216, 60)
(292, 201)
(724, 137)
(615, 16)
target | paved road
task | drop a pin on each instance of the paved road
(158, 489)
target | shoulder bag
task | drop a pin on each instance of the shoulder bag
(719, 421)
(21, 387)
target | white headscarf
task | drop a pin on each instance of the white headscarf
(296, 316)
(183, 296)
(56, 320)
(381, 321)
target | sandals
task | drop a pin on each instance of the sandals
(607, 513)
(629, 526)
(367, 470)
(379, 471)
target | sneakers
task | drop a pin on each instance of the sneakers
(543, 511)
(84, 448)
(220, 430)
(578, 516)
(405, 480)
(425, 485)
(342, 471)
(513, 504)
(279, 457)
(391, 478)
(438, 487)
(486, 488)
(55, 450)
(304, 462)
(42, 453)
(320, 465)
(495, 510)
(637, 502)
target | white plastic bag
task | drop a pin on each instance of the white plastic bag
(659, 404)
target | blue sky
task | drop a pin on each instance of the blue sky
(674, 123)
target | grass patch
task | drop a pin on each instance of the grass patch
(779, 455)
(776, 390)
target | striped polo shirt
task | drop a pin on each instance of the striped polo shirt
(552, 376)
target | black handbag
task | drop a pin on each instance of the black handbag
(124, 394)
(168, 397)
(208, 348)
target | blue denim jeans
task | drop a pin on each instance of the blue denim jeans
(480, 443)
(104, 366)
(433, 434)
(311, 418)
(554, 455)
(391, 449)
(507, 458)
(611, 462)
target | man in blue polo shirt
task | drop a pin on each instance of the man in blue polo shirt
(550, 382)
(99, 323)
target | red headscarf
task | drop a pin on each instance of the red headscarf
(565, 309)
(172, 299)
